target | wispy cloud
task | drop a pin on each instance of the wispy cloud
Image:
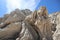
(21, 4)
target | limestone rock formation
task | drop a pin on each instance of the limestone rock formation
(10, 32)
(26, 12)
(28, 25)
(15, 16)
(31, 18)
(56, 35)
(56, 19)
(42, 22)
(27, 32)
(10, 24)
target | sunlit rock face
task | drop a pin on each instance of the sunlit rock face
(28, 25)
(10, 24)
(10, 32)
(17, 15)
(56, 20)
(42, 22)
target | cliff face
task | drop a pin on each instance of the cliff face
(55, 18)
(28, 25)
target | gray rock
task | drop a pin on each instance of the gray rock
(56, 35)
(26, 12)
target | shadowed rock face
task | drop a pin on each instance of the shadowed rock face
(0, 20)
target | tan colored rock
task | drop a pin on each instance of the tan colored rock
(5, 17)
(36, 26)
(14, 17)
(42, 21)
(42, 11)
(43, 24)
(28, 33)
(31, 18)
(17, 15)
(0, 20)
(10, 32)
(2, 25)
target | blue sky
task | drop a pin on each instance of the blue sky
(52, 5)
(7, 6)
(3, 8)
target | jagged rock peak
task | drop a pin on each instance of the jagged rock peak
(42, 12)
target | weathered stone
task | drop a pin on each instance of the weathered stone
(42, 21)
(56, 35)
(44, 24)
(17, 15)
(36, 26)
(0, 20)
(10, 32)
(28, 33)
(31, 18)
(5, 17)
(42, 12)
(26, 12)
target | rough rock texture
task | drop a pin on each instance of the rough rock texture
(28, 25)
(16, 15)
(42, 22)
(10, 24)
(10, 32)
(28, 33)
(0, 20)
(56, 19)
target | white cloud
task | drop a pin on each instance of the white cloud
(21, 4)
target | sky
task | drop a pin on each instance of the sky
(51, 5)
(6, 6)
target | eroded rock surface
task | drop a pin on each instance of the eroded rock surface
(28, 25)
